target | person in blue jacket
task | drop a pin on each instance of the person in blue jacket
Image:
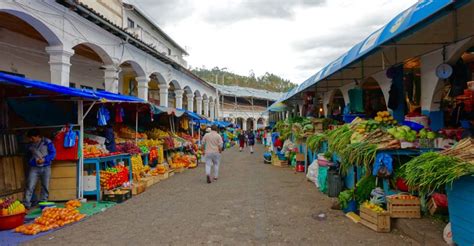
(40, 154)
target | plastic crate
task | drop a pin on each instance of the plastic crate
(118, 198)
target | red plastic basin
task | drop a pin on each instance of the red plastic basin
(11, 221)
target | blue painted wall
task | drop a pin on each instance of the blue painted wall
(461, 210)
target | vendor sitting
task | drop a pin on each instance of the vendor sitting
(41, 153)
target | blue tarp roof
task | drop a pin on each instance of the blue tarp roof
(404, 21)
(193, 115)
(66, 91)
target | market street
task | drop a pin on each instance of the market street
(251, 203)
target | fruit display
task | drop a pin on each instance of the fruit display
(179, 160)
(128, 147)
(92, 151)
(73, 204)
(169, 143)
(160, 169)
(150, 143)
(51, 218)
(137, 165)
(114, 177)
(385, 118)
(403, 133)
(367, 126)
(11, 207)
(427, 134)
(157, 134)
(144, 149)
(126, 132)
(373, 207)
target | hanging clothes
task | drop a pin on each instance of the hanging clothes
(103, 116)
(119, 114)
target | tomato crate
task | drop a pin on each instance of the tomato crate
(377, 221)
(435, 209)
(404, 208)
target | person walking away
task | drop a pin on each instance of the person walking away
(241, 140)
(212, 143)
(251, 141)
(40, 154)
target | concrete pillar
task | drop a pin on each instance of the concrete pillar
(111, 76)
(178, 96)
(326, 99)
(254, 124)
(206, 107)
(384, 83)
(163, 95)
(59, 64)
(199, 105)
(345, 92)
(244, 124)
(212, 109)
(142, 87)
(190, 97)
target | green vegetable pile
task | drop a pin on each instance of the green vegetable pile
(363, 188)
(431, 171)
(315, 142)
(339, 138)
(345, 197)
(359, 154)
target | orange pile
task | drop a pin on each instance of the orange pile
(73, 204)
(51, 218)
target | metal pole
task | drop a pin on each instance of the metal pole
(80, 110)
(136, 125)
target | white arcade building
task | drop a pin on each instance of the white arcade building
(100, 45)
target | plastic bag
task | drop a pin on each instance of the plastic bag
(70, 138)
(312, 174)
(448, 234)
(322, 177)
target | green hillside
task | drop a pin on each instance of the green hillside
(268, 81)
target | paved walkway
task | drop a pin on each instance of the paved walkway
(251, 204)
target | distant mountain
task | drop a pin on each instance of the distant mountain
(268, 81)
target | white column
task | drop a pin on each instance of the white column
(385, 83)
(244, 124)
(111, 76)
(206, 107)
(190, 97)
(59, 64)
(142, 87)
(199, 105)
(178, 96)
(212, 109)
(163, 95)
(254, 124)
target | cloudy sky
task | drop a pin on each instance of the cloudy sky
(291, 38)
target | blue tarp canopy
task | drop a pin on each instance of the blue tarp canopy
(222, 123)
(402, 23)
(64, 91)
(193, 115)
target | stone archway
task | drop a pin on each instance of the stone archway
(23, 42)
(131, 77)
(175, 94)
(158, 89)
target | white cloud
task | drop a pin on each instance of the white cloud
(293, 39)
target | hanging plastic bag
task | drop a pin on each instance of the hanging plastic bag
(383, 166)
(322, 178)
(70, 138)
(103, 116)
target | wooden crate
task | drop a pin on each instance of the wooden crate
(179, 170)
(280, 163)
(163, 176)
(63, 182)
(148, 181)
(12, 176)
(377, 221)
(300, 157)
(138, 188)
(400, 208)
(435, 209)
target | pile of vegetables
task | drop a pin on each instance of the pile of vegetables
(315, 142)
(345, 197)
(359, 154)
(363, 188)
(404, 133)
(339, 138)
(128, 147)
(431, 171)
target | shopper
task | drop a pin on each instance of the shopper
(251, 140)
(241, 140)
(41, 153)
(212, 143)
